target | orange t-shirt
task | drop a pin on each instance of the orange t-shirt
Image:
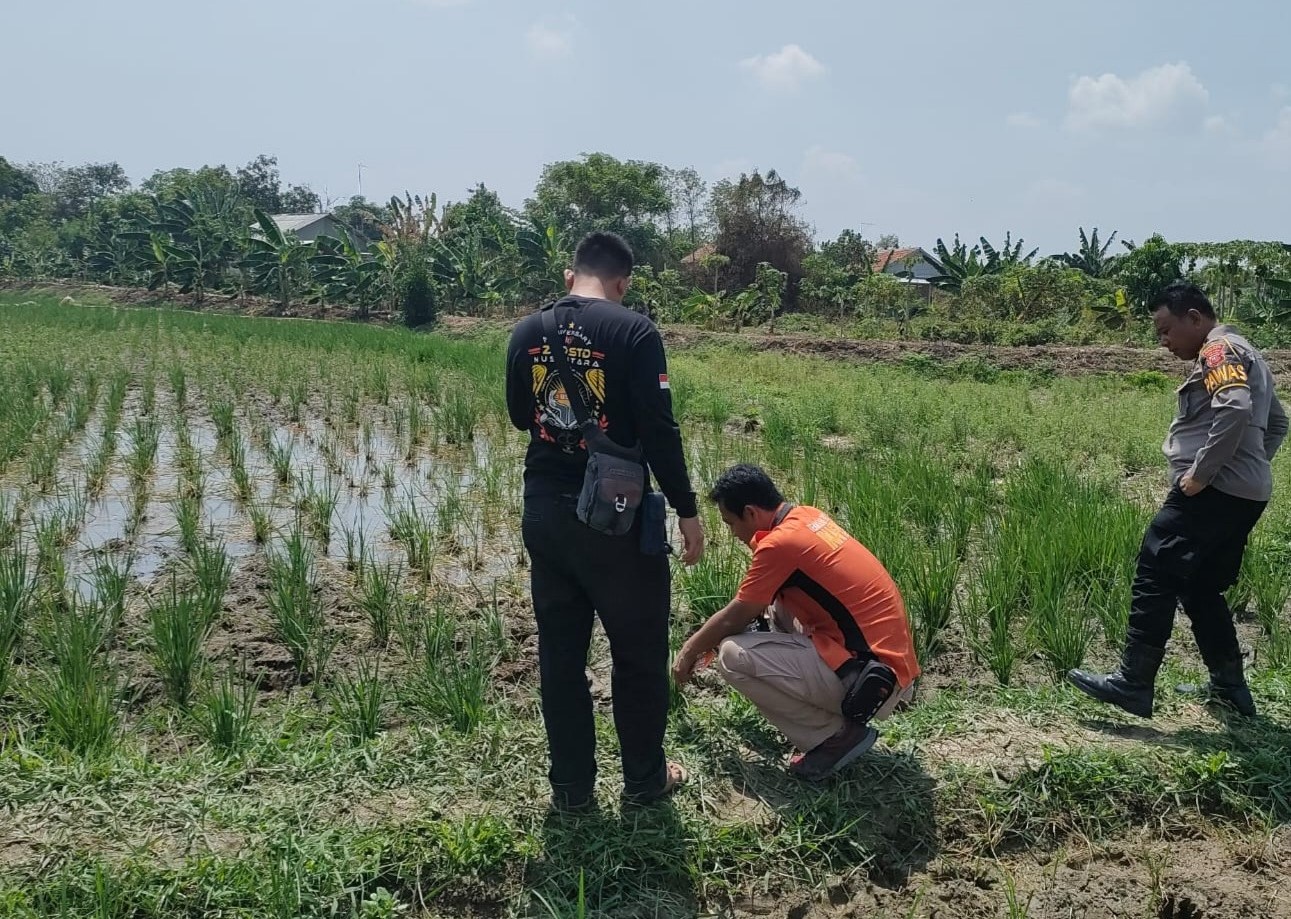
(840, 594)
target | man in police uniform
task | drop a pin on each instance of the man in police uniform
(1228, 427)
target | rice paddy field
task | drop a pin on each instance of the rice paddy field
(266, 647)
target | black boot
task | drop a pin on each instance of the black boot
(1228, 683)
(1130, 685)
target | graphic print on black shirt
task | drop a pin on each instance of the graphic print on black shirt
(554, 415)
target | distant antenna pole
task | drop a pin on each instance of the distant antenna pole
(360, 180)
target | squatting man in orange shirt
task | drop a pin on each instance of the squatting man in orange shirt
(838, 654)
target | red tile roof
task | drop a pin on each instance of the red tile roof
(885, 257)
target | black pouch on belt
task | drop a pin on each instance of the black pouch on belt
(654, 524)
(866, 687)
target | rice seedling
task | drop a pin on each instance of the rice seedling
(709, 585)
(116, 396)
(280, 458)
(179, 386)
(81, 408)
(212, 572)
(379, 382)
(60, 382)
(356, 549)
(188, 518)
(243, 489)
(10, 520)
(495, 626)
(178, 627)
(1062, 630)
(930, 595)
(148, 392)
(387, 477)
(111, 580)
(299, 398)
(380, 599)
(100, 463)
(16, 592)
(447, 683)
(78, 691)
(408, 527)
(317, 504)
(416, 427)
(144, 437)
(458, 416)
(449, 511)
(50, 537)
(989, 619)
(261, 523)
(359, 701)
(224, 712)
(222, 416)
(42, 464)
(295, 607)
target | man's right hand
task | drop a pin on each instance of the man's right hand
(692, 540)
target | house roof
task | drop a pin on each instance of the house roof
(297, 222)
(885, 257)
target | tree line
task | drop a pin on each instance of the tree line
(736, 253)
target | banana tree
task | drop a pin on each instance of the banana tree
(278, 262)
(1091, 257)
(544, 255)
(1010, 254)
(959, 263)
(472, 269)
(346, 274)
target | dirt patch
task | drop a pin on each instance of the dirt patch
(1066, 360)
(1194, 879)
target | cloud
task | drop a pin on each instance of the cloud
(785, 70)
(1217, 125)
(1275, 145)
(1280, 91)
(550, 43)
(831, 164)
(1023, 120)
(1157, 96)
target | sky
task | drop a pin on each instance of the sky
(925, 120)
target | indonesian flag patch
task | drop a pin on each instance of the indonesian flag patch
(663, 381)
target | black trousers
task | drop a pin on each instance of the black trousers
(1192, 553)
(576, 575)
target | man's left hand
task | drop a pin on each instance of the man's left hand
(1191, 487)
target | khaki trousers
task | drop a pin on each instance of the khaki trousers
(794, 689)
(785, 678)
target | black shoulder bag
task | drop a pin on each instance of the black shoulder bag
(615, 481)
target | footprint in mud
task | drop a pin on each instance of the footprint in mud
(1180, 908)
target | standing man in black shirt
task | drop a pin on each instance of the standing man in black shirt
(577, 573)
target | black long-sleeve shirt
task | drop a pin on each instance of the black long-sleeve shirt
(618, 360)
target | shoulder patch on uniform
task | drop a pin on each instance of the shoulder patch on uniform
(663, 381)
(1214, 353)
(1226, 375)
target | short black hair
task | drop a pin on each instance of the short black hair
(1181, 296)
(605, 255)
(742, 485)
